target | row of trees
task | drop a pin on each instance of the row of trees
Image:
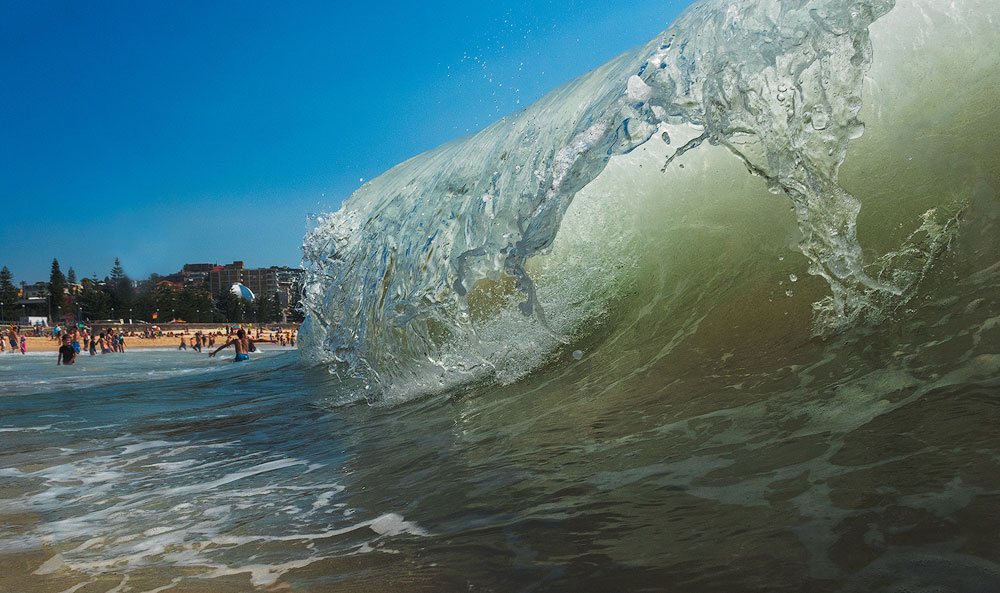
(118, 297)
(8, 295)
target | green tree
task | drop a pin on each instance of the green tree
(71, 276)
(231, 307)
(57, 290)
(8, 295)
(266, 309)
(194, 304)
(122, 291)
(94, 301)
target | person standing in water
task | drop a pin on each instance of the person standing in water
(241, 342)
(67, 354)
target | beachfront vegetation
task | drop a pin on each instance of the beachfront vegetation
(8, 295)
(153, 300)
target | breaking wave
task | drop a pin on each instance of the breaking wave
(633, 208)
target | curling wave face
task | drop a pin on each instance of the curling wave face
(640, 191)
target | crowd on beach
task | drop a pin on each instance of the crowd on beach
(75, 340)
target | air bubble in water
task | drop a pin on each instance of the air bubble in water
(793, 277)
(577, 354)
(819, 119)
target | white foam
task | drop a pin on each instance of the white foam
(393, 524)
(323, 500)
(25, 428)
(51, 565)
(130, 449)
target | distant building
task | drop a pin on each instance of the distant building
(221, 278)
(38, 290)
(197, 273)
(33, 302)
(276, 281)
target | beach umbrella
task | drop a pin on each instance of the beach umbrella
(242, 291)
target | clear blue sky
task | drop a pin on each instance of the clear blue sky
(173, 132)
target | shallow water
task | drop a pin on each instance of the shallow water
(866, 464)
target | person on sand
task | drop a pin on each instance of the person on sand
(67, 354)
(241, 342)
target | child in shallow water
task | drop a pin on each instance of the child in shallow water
(24, 345)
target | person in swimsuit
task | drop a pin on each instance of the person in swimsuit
(67, 354)
(74, 337)
(242, 343)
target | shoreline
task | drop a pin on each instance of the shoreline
(48, 345)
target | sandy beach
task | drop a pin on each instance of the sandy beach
(47, 344)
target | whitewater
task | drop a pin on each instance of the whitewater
(721, 315)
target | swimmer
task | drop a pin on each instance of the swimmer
(242, 343)
(67, 354)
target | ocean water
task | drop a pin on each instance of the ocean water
(722, 315)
